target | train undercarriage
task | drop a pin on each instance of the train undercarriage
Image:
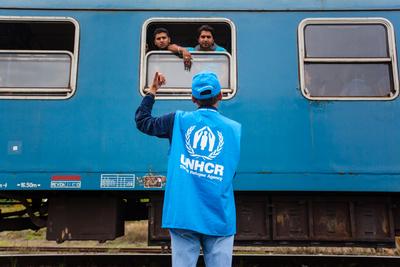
(263, 218)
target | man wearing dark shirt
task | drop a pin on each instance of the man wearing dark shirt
(162, 41)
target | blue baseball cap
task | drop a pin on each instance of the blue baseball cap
(205, 85)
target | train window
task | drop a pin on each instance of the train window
(35, 70)
(38, 57)
(183, 32)
(347, 59)
(346, 41)
(179, 81)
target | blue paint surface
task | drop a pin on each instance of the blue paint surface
(289, 142)
(327, 182)
(255, 5)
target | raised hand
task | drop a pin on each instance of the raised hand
(158, 81)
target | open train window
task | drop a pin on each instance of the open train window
(348, 59)
(183, 32)
(38, 57)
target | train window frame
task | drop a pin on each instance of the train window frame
(391, 59)
(44, 93)
(227, 93)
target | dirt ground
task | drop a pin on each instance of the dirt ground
(136, 236)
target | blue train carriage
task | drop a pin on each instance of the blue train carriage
(314, 84)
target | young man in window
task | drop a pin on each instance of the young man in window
(162, 41)
(199, 207)
(205, 38)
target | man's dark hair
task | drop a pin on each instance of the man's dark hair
(207, 28)
(160, 30)
(209, 102)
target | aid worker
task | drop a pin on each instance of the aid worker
(199, 207)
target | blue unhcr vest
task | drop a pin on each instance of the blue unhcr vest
(203, 159)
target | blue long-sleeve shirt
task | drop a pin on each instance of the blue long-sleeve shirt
(156, 126)
(162, 126)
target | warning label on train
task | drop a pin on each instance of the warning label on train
(117, 181)
(66, 181)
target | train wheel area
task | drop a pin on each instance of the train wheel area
(305, 219)
(282, 219)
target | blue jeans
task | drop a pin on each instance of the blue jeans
(185, 246)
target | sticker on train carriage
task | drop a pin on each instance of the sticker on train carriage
(66, 181)
(154, 181)
(3, 185)
(117, 181)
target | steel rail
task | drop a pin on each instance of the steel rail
(160, 260)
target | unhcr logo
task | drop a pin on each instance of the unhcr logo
(203, 144)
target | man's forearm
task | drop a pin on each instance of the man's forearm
(143, 113)
(155, 126)
(175, 48)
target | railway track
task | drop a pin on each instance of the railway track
(160, 257)
(48, 249)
